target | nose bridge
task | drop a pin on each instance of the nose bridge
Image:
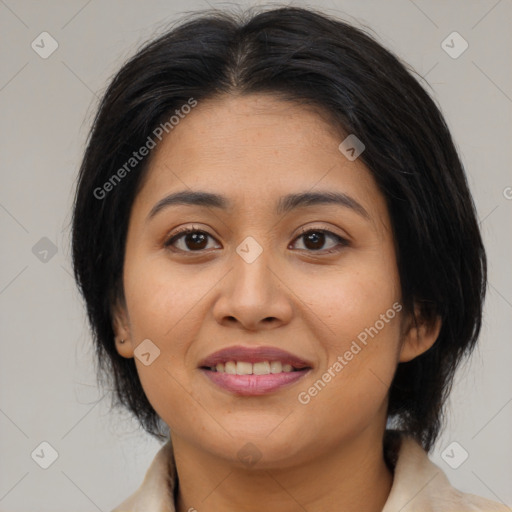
(252, 273)
(253, 293)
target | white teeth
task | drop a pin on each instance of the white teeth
(262, 368)
(230, 367)
(276, 367)
(245, 368)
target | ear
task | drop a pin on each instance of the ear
(419, 336)
(122, 331)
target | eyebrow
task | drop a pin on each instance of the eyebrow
(285, 204)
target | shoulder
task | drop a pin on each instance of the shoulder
(419, 485)
(156, 491)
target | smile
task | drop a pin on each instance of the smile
(252, 371)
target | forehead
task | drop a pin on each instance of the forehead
(254, 149)
(231, 126)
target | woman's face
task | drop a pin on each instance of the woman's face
(250, 279)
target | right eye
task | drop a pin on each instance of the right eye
(191, 240)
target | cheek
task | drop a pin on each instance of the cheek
(350, 392)
(343, 303)
(162, 298)
(166, 305)
(357, 318)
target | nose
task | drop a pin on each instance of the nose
(254, 296)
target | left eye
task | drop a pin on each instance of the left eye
(315, 239)
(195, 240)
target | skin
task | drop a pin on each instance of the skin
(322, 456)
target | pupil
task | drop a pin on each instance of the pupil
(317, 239)
(197, 240)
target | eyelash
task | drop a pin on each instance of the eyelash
(180, 233)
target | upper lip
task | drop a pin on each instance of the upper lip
(254, 355)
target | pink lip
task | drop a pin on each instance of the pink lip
(254, 355)
(253, 385)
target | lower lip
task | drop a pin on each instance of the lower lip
(253, 385)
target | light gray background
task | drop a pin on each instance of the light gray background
(48, 390)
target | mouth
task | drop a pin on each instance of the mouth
(253, 371)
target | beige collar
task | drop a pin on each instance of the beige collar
(418, 485)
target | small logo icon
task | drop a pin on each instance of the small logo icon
(44, 250)
(249, 249)
(249, 454)
(44, 45)
(44, 455)
(351, 147)
(454, 455)
(146, 352)
(454, 45)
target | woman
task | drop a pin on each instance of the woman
(282, 267)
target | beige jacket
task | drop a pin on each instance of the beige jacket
(418, 486)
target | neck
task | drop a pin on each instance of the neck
(351, 477)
